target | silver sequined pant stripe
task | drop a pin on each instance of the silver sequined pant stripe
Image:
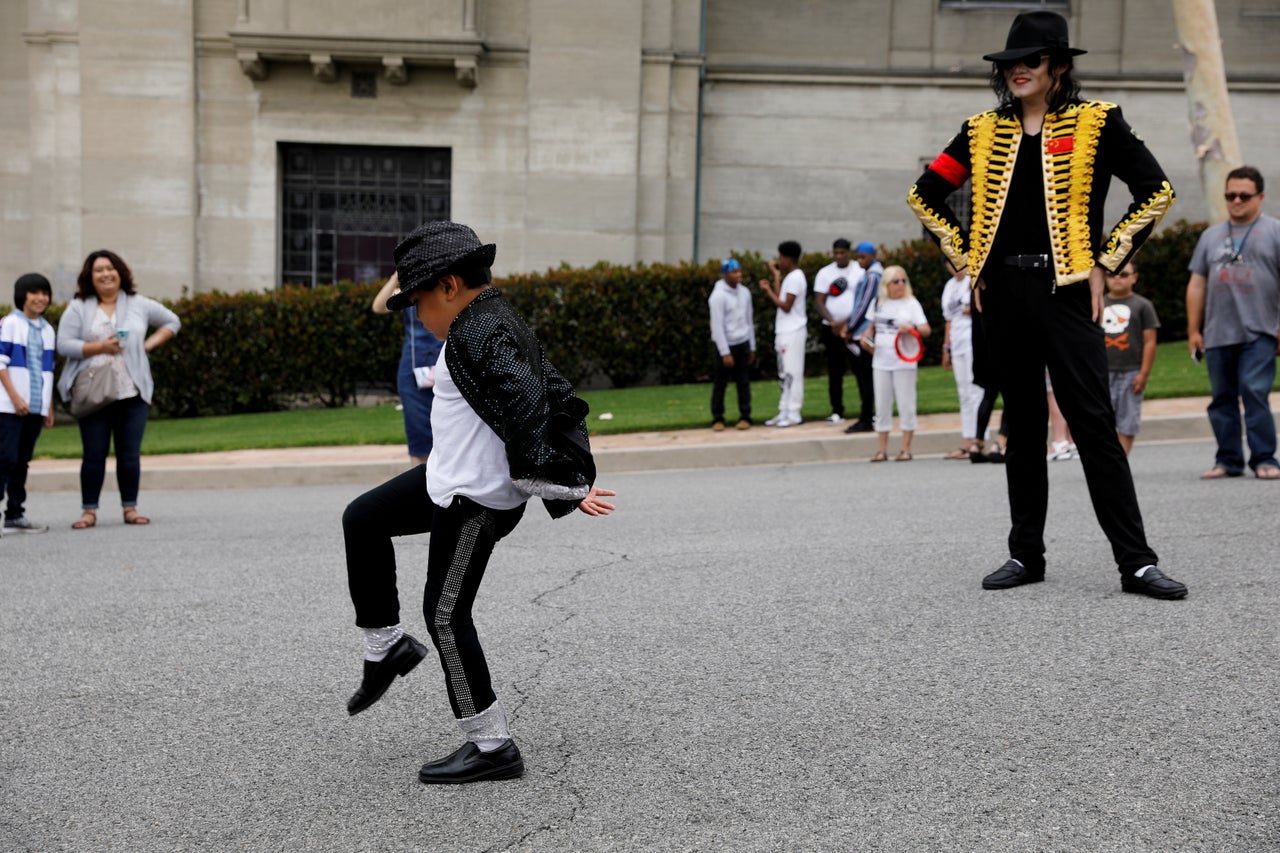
(442, 619)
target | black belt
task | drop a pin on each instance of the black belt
(1029, 262)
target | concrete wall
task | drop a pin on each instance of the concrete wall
(152, 128)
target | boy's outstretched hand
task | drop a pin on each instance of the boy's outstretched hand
(592, 505)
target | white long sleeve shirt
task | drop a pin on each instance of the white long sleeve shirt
(732, 317)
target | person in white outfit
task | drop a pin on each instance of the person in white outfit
(957, 356)
(787, 292)
(896, 312)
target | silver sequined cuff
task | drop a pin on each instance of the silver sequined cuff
(549, 491)
(489, 724)
(378, 641)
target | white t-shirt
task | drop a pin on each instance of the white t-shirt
(467, 457)
(955, 298)
(889, 315)
(838, 284)
(790, 321)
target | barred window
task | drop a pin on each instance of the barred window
(344, 207)
(961, 201)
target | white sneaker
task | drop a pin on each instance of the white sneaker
(24, 525)
(833, 418)
(1060, 453)
(787, 422)
(774, 421)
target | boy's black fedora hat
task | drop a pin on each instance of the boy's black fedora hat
(1035, 32)
(432, 250)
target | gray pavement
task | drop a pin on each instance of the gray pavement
(772, 657)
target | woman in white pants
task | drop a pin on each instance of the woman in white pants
(957, 356)
(895, 313)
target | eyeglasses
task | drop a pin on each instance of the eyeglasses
(897, 281)
(1241, 196)
(1032, 62)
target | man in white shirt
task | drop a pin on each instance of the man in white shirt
(787, 291)
(733, 332)
(833, 289)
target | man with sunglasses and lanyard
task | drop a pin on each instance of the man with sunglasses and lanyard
(1041, 164)
(1233, 321)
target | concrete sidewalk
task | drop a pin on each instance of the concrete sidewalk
(1180, 419)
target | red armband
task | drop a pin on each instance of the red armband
(949, 169)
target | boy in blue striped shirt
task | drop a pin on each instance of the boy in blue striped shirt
(26, 406)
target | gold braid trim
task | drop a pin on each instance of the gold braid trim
(1151, 212)
(948, 233)
(1069, 149)
(993, 149)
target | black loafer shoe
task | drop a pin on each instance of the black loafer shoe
(469, 764)
(1012, 574)
(860, 426)
(378, 675)
(1154, 584)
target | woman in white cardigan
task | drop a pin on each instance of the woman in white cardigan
(105, 326)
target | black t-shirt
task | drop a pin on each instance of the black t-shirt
(1024, 225)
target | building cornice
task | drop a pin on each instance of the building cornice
(256, 50)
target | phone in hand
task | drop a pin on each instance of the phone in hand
(122, 334)
(1197, 355)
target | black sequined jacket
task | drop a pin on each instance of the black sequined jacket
(498, 364)
(1081, 146)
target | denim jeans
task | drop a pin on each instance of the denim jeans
(18, 436)
(1243, 373)
(125, 421)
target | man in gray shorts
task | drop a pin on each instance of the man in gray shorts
(1130, 323)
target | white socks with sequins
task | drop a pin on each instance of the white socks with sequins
(378, 641)
(488, 729)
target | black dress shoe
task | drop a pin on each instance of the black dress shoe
(469, 764)
(860, 426)
(1154, 584)
(378, 674)
(1012, 574)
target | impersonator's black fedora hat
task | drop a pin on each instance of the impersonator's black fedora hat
(1035, 32)
(432, 250)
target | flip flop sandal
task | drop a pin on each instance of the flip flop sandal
(1217, 472)
(132, 516)
(1267, 472)
(904, 456)
(880, 456)
(958, 453)
(82, 523)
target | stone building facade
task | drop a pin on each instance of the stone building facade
(235, 144)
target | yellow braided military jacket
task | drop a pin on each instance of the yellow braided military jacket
(1082, 146)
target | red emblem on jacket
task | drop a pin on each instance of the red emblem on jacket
(1060, 145)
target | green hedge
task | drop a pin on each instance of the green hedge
(254, 352)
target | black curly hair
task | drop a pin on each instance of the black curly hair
(1064, 90)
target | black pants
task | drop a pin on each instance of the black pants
(18, 434)
(462, 539)
(866, 386)
(741, 375)
(839, 358)
(1030, 326)
(125, 422)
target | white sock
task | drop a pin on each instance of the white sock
(1019, 562)
(1142, 571)
(487, 730)
(378, 641)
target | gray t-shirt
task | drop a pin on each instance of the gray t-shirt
(1124, 321)
(1241, 265)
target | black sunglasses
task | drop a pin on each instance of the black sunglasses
(1241, 196)
(1032, 62)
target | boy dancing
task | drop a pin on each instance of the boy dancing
(507, 427)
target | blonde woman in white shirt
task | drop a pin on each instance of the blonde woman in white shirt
(896, 312)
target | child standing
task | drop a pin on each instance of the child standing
(26, 374)
(896, 312)
(1130, 323)
(506, 426)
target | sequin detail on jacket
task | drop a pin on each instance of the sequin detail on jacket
(500, 369)
(1081, 147)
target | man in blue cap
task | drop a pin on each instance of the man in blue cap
(733, 332)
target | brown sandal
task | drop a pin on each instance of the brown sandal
(958, 453)
(131, 516)
(88, 518)
(880, 456)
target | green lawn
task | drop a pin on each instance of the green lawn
(633, 409)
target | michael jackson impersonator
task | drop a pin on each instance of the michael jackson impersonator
(507, 426)
(1041, 163)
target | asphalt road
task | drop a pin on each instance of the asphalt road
(783, 658)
